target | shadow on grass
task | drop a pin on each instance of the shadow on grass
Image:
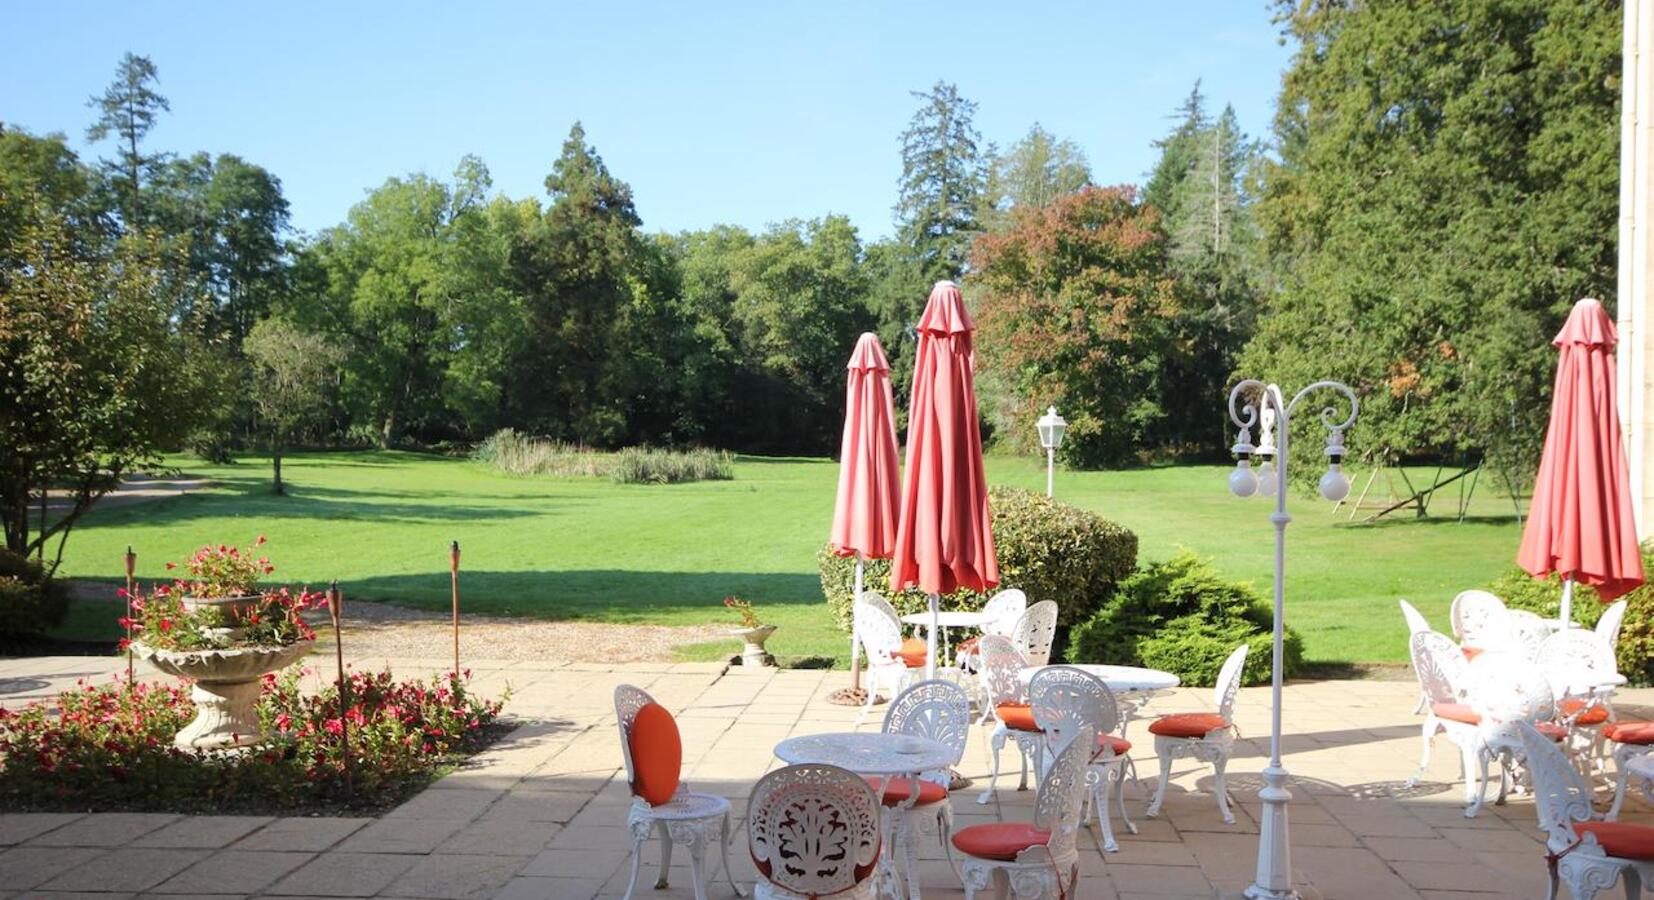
(608, 595)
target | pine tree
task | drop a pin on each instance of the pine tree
(128, 109)
(941, 184)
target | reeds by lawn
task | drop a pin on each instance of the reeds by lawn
(521, 454)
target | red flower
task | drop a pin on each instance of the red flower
(259, 542)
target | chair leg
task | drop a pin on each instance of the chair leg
(1165, 779)
(996, 743)
(1219, 765)
(729, 874)
(907, 832)
(1428, 736)
(639, 837)
(1022, 783)
(1477, 758)
(697, 868)
(665, 857)
(1619, 790)
(1099, 799)
(1120, 786)
(944, 830)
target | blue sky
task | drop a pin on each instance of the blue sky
(714, 112)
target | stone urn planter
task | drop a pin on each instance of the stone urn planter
(230, 609)
(226, 687)
(754, 654)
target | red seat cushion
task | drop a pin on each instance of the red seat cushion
(1018, 716)
(1631, 732)
(998, 840)
(901, 788)
(657, 754)
(1456, 712)
(1188, 725)
(1551, 730)
(912, 652)
(1625, 840)
(1596, 715)
(1471, 652)
(1118, 745)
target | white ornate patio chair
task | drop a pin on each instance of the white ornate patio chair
(1444, 679)
(1209, 737)
(939, 710)
(1522, 632)
(687, 818)
(1415, 624)
(1002, 665)
(1002, 612)
(1038, 859)
(1507, 690)
(1629, 739)
(889, 664)
(1035, 630)
(1608, 627)
(1477, 616)
(1579, 665)
(1586, 852)
(1064, 699)
(813, 832)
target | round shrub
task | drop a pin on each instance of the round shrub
(30, 600)
(1048, 549)
(1635, 651)
(1180, 616)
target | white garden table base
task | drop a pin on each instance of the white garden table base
(946, 620)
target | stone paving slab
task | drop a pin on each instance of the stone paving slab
(542, 813)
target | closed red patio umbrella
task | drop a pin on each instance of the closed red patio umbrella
(944, 540)
(1580, 523)
(864, 517)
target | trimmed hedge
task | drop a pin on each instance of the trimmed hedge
(1048, 549)
(1182, 617)
(1635, 652)
(30, 601)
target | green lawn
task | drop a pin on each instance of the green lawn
(580, 548)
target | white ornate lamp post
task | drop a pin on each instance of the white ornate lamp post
(1051, 428)
(1274, 881)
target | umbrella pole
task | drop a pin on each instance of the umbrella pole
(855, 639)
(1567, 615)
(930, 637)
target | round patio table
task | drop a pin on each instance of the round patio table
(888, 756)
(946, 620)
(1133, 686)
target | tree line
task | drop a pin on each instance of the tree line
(1438, 187)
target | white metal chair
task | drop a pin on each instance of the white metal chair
(1521, 632)
(1002, 665)
(1629, 739)
(1474, 614)
(1038, 859)
(1608, 627)
(941, 711)
(1002, 613)
(1586, 852)
(1415, 623)
(880, 632)
(813, 832)
(1035, 630)
(1444, 679)
(1209, 737)
(1064, 699)
(687, 818)
(1580, 668)
(1506, 691)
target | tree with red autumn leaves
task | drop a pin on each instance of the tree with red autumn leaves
(1076, 309)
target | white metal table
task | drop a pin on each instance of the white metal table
(888, 756)
(1133, 686)
(946, 620)
(1639, 768)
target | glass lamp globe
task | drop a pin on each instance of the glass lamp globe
(1243, 482)
(1051, 429)
(1335, 485)
(1266, 477)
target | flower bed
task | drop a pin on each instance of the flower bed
(107, 747)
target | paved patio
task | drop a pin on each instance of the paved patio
(540, 815)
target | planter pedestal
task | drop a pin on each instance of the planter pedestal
(226, 687)
(753, 654)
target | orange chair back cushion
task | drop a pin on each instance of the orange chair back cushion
(657, 754)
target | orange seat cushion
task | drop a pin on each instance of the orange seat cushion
(1471, 652)
(1456, 712)
(1631, 732)
(1119, 746)
(998, 840)
(1625, 840)
(1596, 715)
(912, 652)
(1551, 730)
(1188, 725)
(965, 647)
(657, 754)
(1017, 716)
(902, 788)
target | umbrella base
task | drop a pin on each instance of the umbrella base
(848, 697)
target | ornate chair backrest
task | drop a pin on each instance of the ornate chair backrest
(1062, 790)
(1575, 658)
(1415, 620)
(1608, 627)
(879, 628)
(936, 709)
(1442, 670)
(1522, 633)
(1561, 794)
(1507, 689)
(1003, 610)
(1065, 699)
(1229, 682)
(1002, 665)
(1035, 631)
(628, 700)
(813, 830)
(1475, 613)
